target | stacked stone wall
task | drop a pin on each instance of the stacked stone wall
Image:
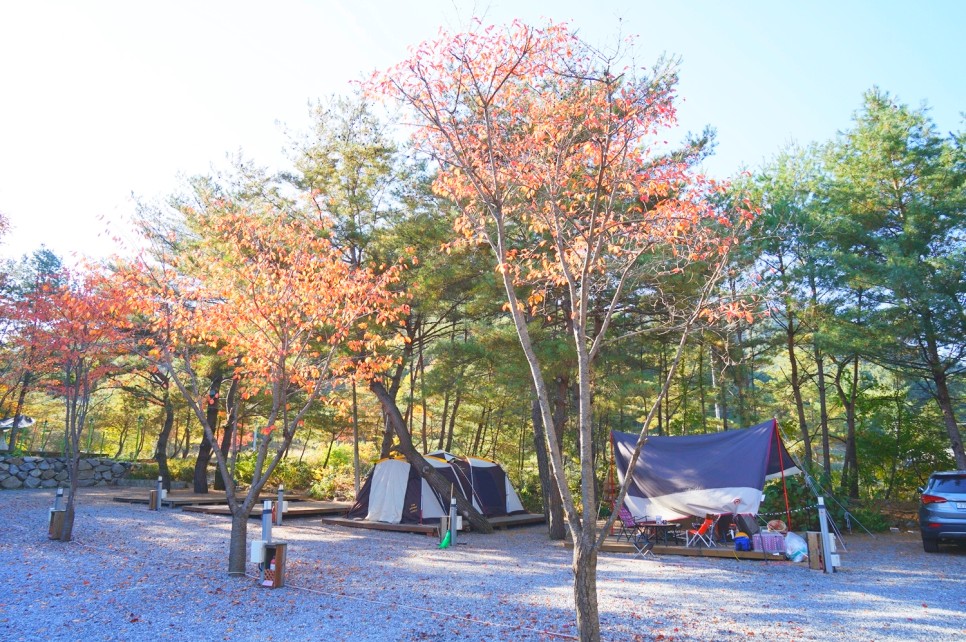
(50, 472)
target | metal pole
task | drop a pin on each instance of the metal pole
(160, 489)
(826, 540)
(452, 520)
(280, 506)
(58, 498)
(267, 521)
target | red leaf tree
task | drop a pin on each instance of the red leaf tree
(269, 292)
(79, 327)
(556, 162)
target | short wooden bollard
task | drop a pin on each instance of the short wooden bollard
(815, 557)
(273, 574)
(56, 526)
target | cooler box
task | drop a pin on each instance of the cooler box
(769, 542)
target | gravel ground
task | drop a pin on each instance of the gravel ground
(133, 574)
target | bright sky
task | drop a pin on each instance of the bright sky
(103, 100)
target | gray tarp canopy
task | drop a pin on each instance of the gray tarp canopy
(723, 472)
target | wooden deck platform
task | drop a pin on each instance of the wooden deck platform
(507, 521)
(611, 545)
(307, 508)
(183, 498)
(425, 529)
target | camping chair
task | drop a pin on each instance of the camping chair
(628, 524)
(703, 535)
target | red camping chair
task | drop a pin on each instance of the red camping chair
(703, 535)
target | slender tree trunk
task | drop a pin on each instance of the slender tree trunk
(186, 444)
(849, 483)
(18, 410)
(823, 412)
(944, 399)
(852, 451)
(552, 503)
(585, 589)
(442, 423)
(452, 421)
(355, 439)
(122, 437)
(820, 382)
(702, 393)
(238, 542)
(796, 381)
(412, 325)
(161, 451)
(231, 426)
(211, 417)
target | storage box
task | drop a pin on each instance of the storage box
(769, 542)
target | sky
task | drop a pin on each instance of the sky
(104, 104)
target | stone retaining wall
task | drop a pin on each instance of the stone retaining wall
(50, 472)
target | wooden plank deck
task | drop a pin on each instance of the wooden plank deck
(725, 550)
(425, 529)
(307, 508)
(180, 499)
(430, 528)
(525, 519)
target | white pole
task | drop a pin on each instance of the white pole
(826, 540)
(281, 505)
(452, 520)
(267, 521)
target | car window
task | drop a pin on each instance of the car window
(955, 484)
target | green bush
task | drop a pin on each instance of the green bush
(180, 469)
(291, 473)
(143, 470)
(530, 493)
(333, 484)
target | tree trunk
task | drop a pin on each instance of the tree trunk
(442, 423)
(552, 503)
(436, 481)
(211, 417)
(945, 401)
(820, 381)
(18, 411)
(849, 482)
(796, 382)
(585, 589)
(231, 426)
(823, 413)
(238, 541)
(161, 451)
(452, 422)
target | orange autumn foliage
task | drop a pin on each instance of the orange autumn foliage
(269, 289)
(556, 160)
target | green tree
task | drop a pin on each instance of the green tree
(898, 192)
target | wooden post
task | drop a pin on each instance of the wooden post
(815, 557)
(56, 526)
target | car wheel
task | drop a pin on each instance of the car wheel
(930, 545)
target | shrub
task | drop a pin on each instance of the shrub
(180, 469)
(143, 470)
(333, 484)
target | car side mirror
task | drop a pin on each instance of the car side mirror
(921, 490)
